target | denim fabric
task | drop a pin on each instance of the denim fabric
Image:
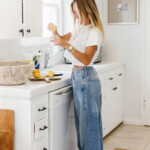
(87, 108)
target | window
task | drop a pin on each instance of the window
(52, 12)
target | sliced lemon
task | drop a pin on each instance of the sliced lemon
(28, 61)
(51, 73)
(42, 77)
(54, 28)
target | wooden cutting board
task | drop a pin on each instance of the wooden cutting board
(6, 129)
(39, 79)
(47, 80)
(120, 149)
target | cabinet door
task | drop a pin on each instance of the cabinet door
(146, 104)
(119, 102)
(105, 107)
(10, 19)
(106, 115)
(116, 100)
(33, 18)
(112, 101)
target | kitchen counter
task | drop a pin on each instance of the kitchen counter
(33, 102)
(34, 88)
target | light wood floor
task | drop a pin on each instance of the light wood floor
(128, 137)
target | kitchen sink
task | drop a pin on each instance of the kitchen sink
(64, 69)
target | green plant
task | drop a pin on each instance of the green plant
(36, 57)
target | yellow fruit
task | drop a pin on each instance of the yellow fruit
(51, 73)
(35, 71)
(36, 75)
(28, 61)
(54, 28)
(42, 77)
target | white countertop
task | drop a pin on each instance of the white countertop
(34, 88)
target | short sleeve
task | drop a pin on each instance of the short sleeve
(94, 38)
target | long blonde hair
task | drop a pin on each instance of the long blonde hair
(88, 8)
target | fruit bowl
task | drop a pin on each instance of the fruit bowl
(14, 73)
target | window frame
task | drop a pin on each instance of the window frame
(60, 13)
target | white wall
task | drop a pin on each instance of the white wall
(12, 49)
(25, 48)
(9, 50)
(68, 20)
(125, 42)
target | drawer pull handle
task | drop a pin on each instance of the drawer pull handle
(42, 109)
(111, 78)
(44, 148)
(115, 88)
(60, 93)
(120, 74)
(45, 127)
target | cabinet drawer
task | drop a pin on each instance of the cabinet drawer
(41, 128)
(119, 73)
(110, 78)
(112, 89)
(41, 145)
(41, 106)
(114, 76)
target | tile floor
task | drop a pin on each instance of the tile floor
(128, 137)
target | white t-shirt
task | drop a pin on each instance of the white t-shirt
(87, 36)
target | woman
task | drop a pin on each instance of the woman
(82, 48)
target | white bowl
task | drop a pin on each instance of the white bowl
(14, 73)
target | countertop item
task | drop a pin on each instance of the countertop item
(40, 79)
(14, 73)
(33, 89)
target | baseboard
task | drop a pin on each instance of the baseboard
(132, 121)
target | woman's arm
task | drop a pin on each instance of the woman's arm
(66, 37)
(84, 58)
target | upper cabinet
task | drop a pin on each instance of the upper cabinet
(30, 18)
(10, 19)
(32, 12)
(20, 18)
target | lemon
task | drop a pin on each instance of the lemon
(28, 61)
(51, 73)
(35, 71)
(42, 77)
(36, 75)
(54, 28)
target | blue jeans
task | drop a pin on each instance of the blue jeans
(87, 108)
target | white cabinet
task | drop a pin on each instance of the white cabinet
(20, 18)
(10, 19)
(32, 18)
(39, 116)
(112, 99)
(31, 121)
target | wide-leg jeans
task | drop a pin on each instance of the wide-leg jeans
(87, 108)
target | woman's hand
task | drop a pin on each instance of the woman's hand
(53, 28)
(59, 41)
